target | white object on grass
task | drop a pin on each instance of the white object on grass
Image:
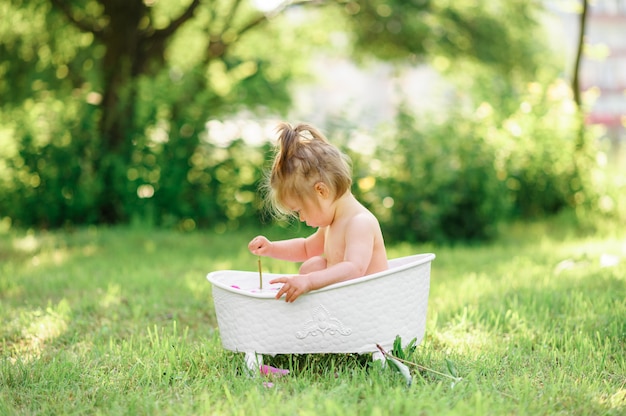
(347, 317)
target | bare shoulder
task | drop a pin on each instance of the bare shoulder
(364, 219)
(356, 219)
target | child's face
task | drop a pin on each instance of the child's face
(316, 211)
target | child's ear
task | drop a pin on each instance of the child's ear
(321, 189)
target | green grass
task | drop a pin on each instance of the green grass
(121, 321)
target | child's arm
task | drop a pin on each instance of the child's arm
(359, 240)
(295, 249)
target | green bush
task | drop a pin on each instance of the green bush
(458, 178)
(49, 178)
(57, 175)
(536, 150)
(427, 178)
(438, 182)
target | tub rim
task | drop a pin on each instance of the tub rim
(406, 262)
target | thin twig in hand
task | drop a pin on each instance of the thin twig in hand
(260, 273)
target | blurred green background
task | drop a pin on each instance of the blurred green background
(161, 112)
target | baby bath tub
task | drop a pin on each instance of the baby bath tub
(347, 317)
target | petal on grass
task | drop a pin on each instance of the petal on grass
(268, 370)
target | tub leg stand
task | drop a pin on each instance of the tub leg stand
(254, 362)
(379, 356)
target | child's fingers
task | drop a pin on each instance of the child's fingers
(285, 287)
(292, 296)
(281, 292)
(282, 279)
(259, 246)
(255, 245)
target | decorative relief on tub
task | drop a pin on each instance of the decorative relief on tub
(322, 323)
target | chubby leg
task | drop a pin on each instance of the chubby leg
(313, 264)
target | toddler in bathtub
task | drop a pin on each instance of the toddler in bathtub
(311, 179)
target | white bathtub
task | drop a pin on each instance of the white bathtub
(346, 317)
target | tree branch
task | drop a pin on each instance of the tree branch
(80, 24)
(279, 9)
(217, 45)
(178, 22)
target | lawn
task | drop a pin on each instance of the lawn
(121, 321)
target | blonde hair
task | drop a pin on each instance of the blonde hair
(304, 157)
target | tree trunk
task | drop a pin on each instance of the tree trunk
(580, 142)
(122, 41)
(133, 47)
(579, 53)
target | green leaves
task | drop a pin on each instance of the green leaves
(403, 353)
(398, 361)
(401, 368)
(91, 119)
(490, 33)
(451, 368)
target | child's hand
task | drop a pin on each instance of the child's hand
(293, 286)
(260, 246)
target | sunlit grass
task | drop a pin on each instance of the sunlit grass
(121, 321)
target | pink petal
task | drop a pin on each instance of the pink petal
(269, 370)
